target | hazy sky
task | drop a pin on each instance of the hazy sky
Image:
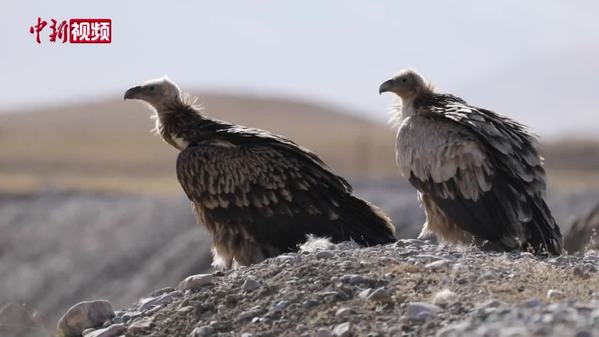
(335, 52)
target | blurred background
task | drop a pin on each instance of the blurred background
(89, 203)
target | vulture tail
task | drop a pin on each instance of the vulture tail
(543, 233)
(365, 223)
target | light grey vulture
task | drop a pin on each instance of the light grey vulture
(258, 194)
(478, 174)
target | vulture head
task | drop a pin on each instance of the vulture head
(406, 84)
(156, 93)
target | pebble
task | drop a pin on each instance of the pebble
(250, 285)
(420, 311)
(444, 297)
(195, 282)
(343, 330)
(165, 298)
(344, 312)
(249, 314)
(141, 325)
(280, 306)
(323, 332)
(380, 295)
(437, 265)
(84, 315)
(111, 331)
(309, 303)
(324, 254)
(365, 293)
(553, 294)
(202, 331)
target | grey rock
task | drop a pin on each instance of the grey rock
(250, 285)
(165, 298)
(141, 325)
(195, 282)
(419, 311)
(111, 331)
(437, 265)
(343, 330)
(324, 254)
(553, 294)
(323, 332)
(84, 315)
(162, 291)
(249, 314)
(202, 331)
(344, 312)
(310, 303)
(365, 293)
(280, 306)
(532, 303)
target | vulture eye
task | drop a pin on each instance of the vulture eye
(152, 88)
(404, 80)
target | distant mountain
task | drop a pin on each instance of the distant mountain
(108, 145)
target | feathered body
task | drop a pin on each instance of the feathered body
(259, 194)
(478, 174)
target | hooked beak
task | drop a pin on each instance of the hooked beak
(386, 86)
(132, 93)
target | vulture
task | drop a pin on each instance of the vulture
(478, 174)
(258, 194)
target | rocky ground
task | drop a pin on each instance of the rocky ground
(412, 288)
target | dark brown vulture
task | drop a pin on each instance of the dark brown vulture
(478, 174)
(258, 194)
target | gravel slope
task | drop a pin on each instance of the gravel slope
(412, 288)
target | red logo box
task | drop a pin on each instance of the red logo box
(90, 30)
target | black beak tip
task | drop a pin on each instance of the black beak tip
(130, 93)
(386, 86)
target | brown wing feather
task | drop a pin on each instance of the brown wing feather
(277, 192)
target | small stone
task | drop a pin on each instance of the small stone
(532, 303)
(344, 312)
(185, 309)
(584, 333)
(202, 331)
(444, 297)
(437, 265)
(554, 294)
(162, 291)
(342, 330)
(247, 334)
(249, 314)
(84, 315)
(165, 298)
(309, 303)
(195, 282)
(324, 254)
(380, 295)
(141, 325)
(323, 332)
(250, 285)
(111, 331)
(419, 311)
(280, 306)
(365, 293)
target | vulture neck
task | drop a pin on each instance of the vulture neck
(180, 123)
